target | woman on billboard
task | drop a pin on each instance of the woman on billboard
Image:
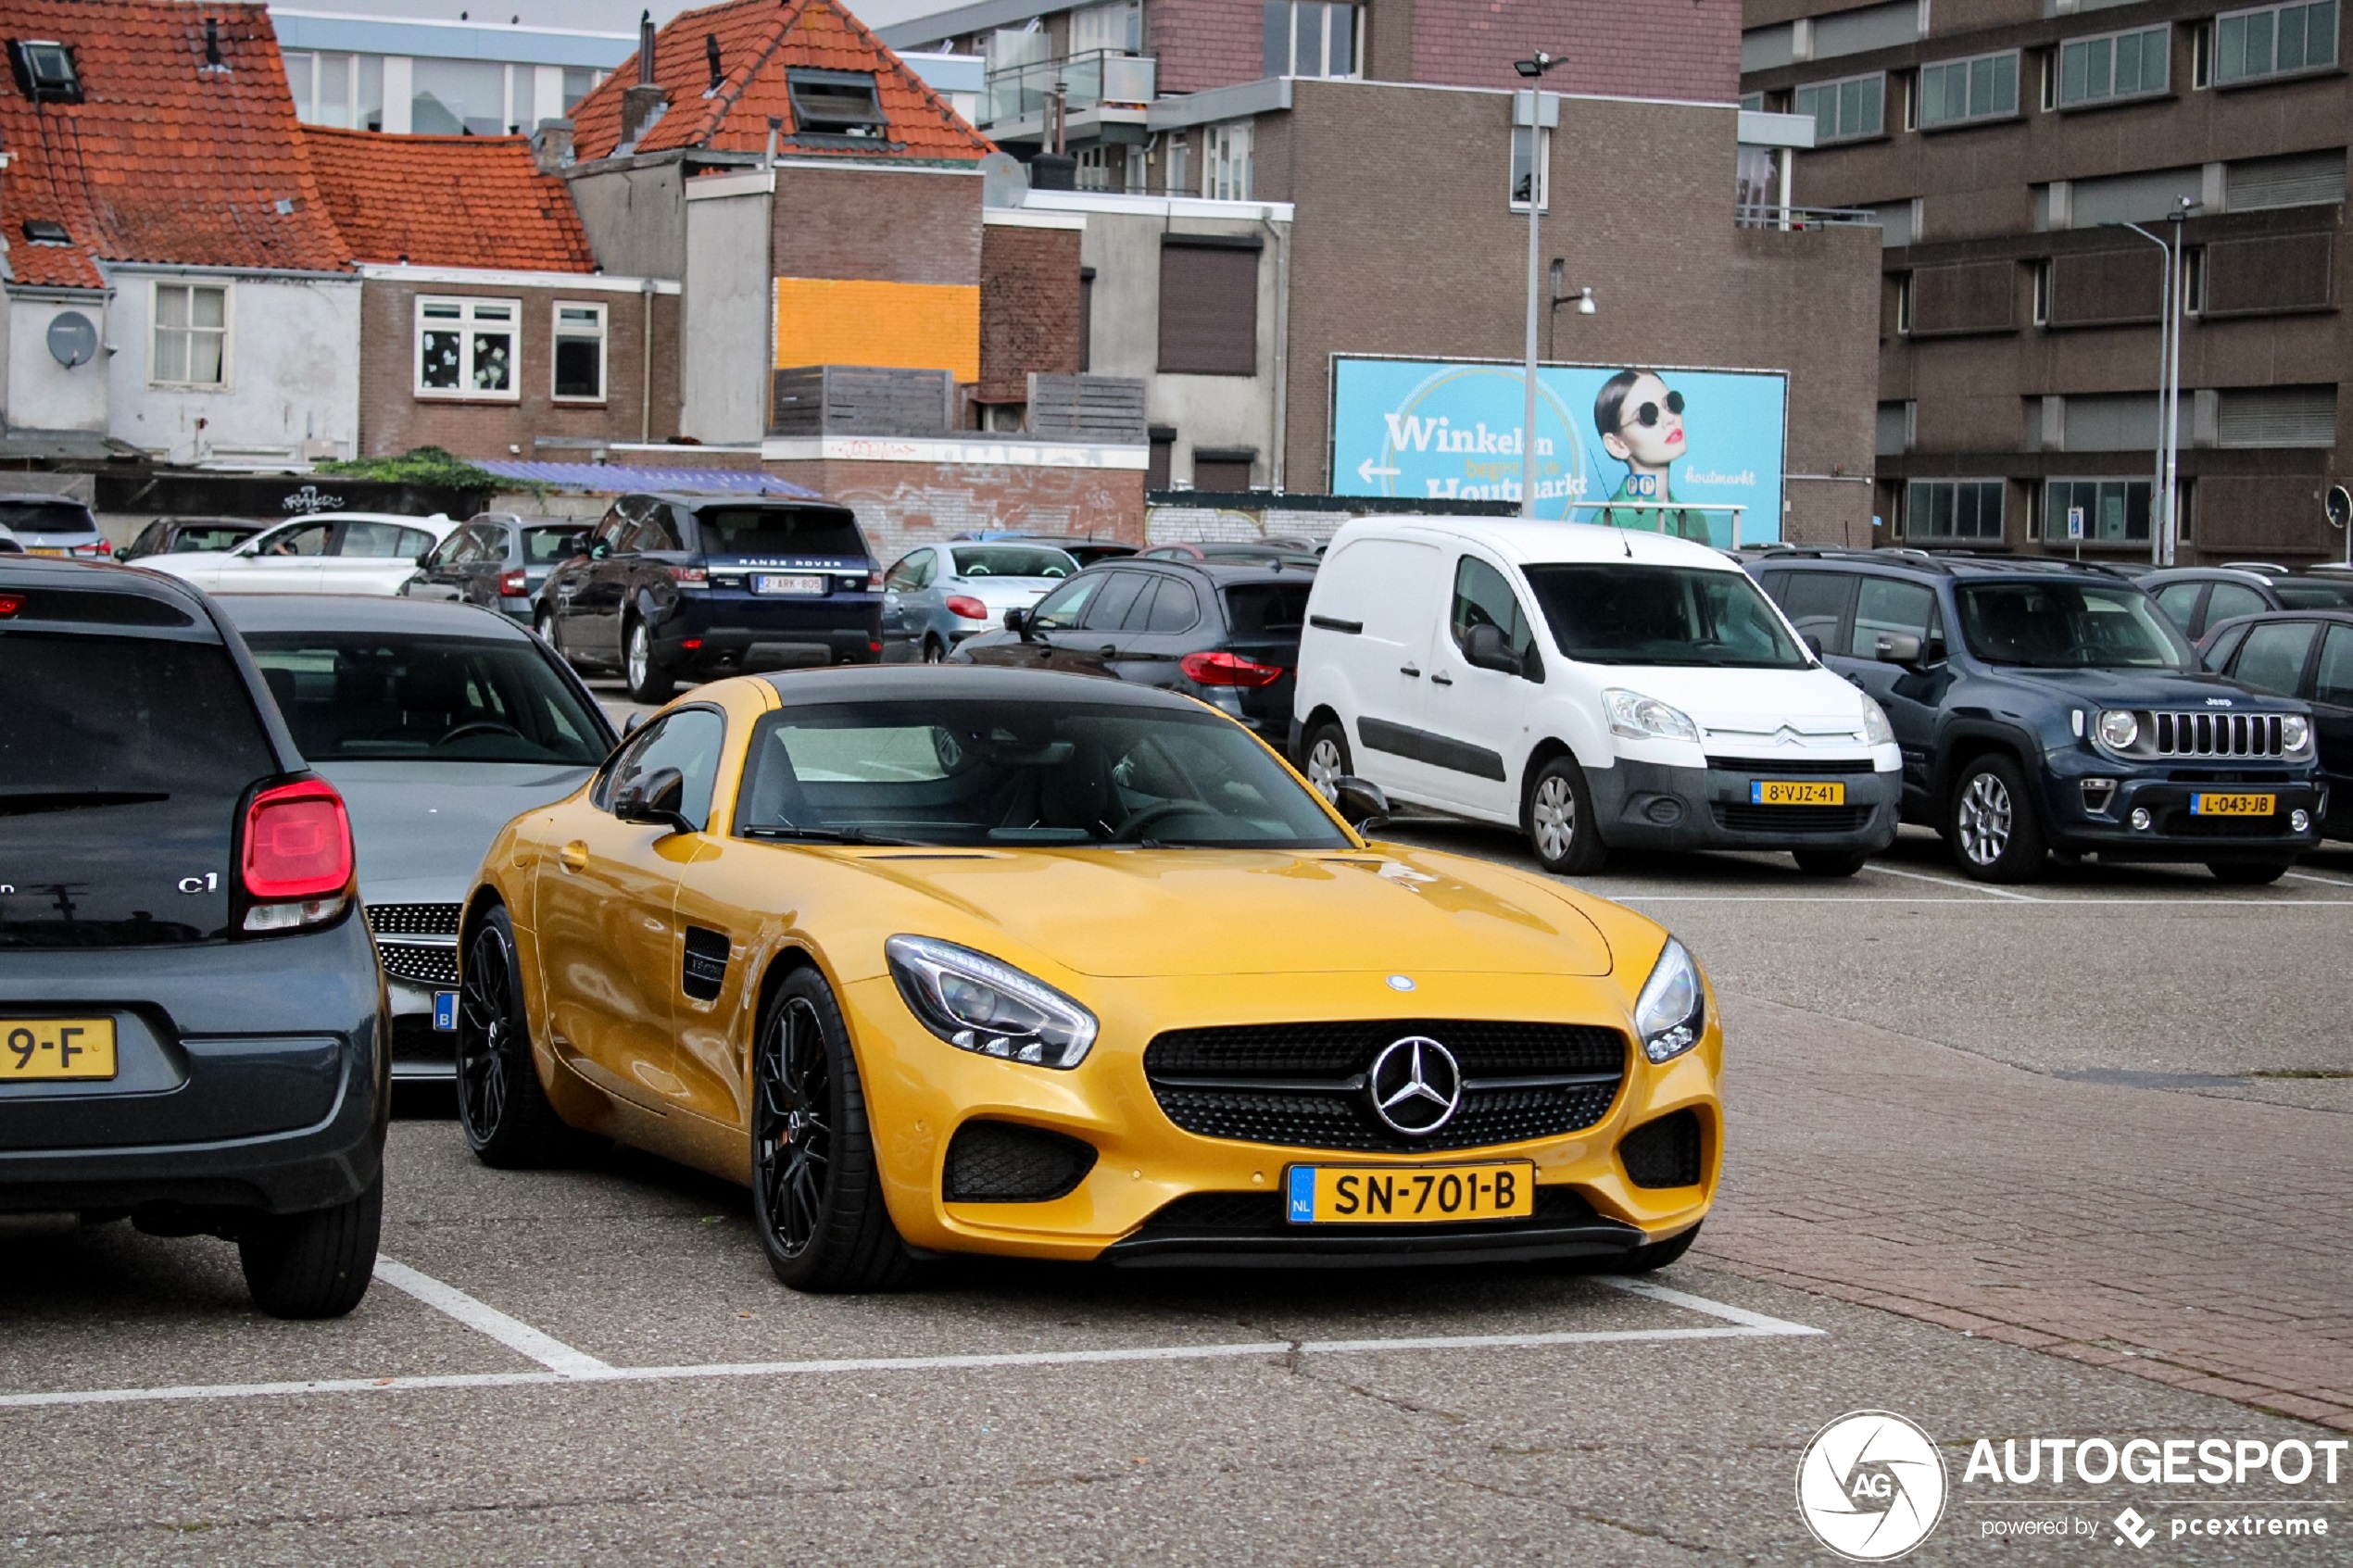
(1640, 424)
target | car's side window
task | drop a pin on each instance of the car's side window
(1175, 608)
(2232, 598)
(2274, 657)
(2219, 656)
(662, 531)
(1060, 611)
(688, 740)
(2334, 684)
(1885, 603)
(1483, 598)
(2179, 601)
(609, 527)
(908, 573)
(1814, 602)
(1114, 602)
(310, 540)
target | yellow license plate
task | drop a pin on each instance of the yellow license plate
(1796, 792)
(1390, 1195)
(56, 1047)
(41, 550)
(2203, 804)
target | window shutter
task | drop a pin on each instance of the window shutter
(2102, 287)
(1977, 296)
(1208, 309)
(2297, 180)
(2276, 272)
(2278, 416)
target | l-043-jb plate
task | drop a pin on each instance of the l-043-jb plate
(1796, 792)
(2210, 803)
(1390, 1195)
(56, 1047)
(784, 583)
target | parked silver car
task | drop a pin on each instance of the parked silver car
(54, 525)
(938, 594)
(438, 722)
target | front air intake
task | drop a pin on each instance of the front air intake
(1664, 1153)
(1005, 1162)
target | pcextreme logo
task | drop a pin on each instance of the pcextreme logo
(1871, 1485)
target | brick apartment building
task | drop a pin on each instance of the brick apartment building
(2002, 143)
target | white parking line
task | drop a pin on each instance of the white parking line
(571, 1368)
(2323, 881)
(1957, 885)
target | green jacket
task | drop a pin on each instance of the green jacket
(1646, 520)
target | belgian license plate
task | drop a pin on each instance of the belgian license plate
(2205, 803)
(780, 583)
(56, 1047)
(1388, 1195)
(1796, 792)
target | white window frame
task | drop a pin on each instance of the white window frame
(226, 332)
(467, 323)
(2059, 98)
(1833, 87)
(1227, 160)
(1967, 64)
(1355, 11)
(558, 332)
(2273, 71)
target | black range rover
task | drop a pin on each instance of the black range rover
(673, 586)
(2046, 707)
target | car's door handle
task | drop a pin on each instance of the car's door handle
(1109, 650)
(574, 856)
(1442, 679)
(1413, 670)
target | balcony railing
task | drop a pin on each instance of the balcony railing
(1087, 81)
(1749, 216)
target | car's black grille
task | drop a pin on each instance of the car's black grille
(1664, 1153)
(414, 919)
(414, 1039)
(1227, 1215)
(413, 961)
(1005, 1162)
(1786, 768)
(1792, 819)
(1302, 1085)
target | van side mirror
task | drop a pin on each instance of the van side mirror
(1897, 647)
(655, 798)
(1017, 622)
(1360, 802)
(1485, 648)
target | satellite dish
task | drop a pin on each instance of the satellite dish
(2339, 506)
(73, 339)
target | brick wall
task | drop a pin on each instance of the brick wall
(1203, 44)
(902, 226)
(902, 505)
(393, 419)
(1028, 307)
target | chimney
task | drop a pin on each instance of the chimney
(643, 101)
(551, 145)
(644, 48)
(718, 71)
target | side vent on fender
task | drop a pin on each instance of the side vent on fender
(706, 964)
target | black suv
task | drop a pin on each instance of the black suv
(2045, 706)
(192, 1021)
(2200, 598)
(697, 586)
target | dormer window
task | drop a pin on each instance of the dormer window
(44, 71)
(47, 231)
(835, 103)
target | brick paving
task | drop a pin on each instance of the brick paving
(2197, 1241)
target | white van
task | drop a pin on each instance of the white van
(1596, 688)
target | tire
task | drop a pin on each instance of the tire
(933, 652)
(1559, 819)
(1828, 862)
(1655, 1256)
(550, 633)
(647, 683)
(1995, 835)
(2247, 873)
(502, 1108)
(816, 1189)
(316, 1265)
(1324, 757)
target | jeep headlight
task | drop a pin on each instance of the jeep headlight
(1668, 1013)
(1645, 717)
(2296, 732)
(978, 1003)
(1877, 731)
(2118, 729)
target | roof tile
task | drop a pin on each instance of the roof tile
(447, 201)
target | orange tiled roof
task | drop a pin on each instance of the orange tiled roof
(447, 201)
(165, 159)
(759, 40)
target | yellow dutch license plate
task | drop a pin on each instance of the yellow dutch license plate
(1390, 1195)
(1796, 792)
(2208, 804)
(41, 550)
(56, 1047)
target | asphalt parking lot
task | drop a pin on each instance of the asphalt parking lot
(2064, 1160)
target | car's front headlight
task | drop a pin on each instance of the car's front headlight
(2296, 732)
(2119, 729)
(1668, 1012)
(1645, 717)
(976, 1003)
(1877, 731)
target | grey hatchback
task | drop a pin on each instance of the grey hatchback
(498, 560)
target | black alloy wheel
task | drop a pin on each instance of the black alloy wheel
(816, 1191)
(501, 1105)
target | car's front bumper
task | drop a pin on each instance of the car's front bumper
(1131, 1205)
(1655, 806)
(2174, 831)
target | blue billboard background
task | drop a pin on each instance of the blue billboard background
(1436, 428)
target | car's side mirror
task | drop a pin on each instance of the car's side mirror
(424, 561)
(1813, 644)
(655, 799)
(598, 549)
(632, 724)
(1897, 647)
(1360, 802)
(1017, 622)
(1485, 648)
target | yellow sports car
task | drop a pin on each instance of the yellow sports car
(981, 961)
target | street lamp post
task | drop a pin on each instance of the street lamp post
(2164, 529)
(1533, 68)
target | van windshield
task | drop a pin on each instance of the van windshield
(1609, 613)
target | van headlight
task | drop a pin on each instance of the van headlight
(2296, 732)
(978, 1003)
(1877, 731)
(1636, 716)
(1669, 1014)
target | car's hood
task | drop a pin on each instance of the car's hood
(2143, 688)
(422, 828)
(1127, 913)
(1812, 702)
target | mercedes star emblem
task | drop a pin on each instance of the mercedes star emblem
(1416, 1086)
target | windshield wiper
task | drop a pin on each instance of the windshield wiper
(28, 802)
(822, 836)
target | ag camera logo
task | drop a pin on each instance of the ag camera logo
(1871, 1485)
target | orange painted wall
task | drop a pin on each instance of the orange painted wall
(865, 321)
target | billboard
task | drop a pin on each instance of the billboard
(1662, 450)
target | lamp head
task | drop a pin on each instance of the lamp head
(1585, 305)
(1536, 65)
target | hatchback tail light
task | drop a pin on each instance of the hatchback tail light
(298, 857)
(105, 546)
(966, 606)
(11, 603)
(511, 585)
(1223, 669)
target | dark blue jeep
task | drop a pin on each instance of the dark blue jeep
(2048, 707)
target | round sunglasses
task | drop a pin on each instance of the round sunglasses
(1647, 415)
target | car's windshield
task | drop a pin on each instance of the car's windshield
(46, 517)
(779, 531)
(2311, 593)
(362, 695)
(1011, 560)
(2068, 625)
(545, 546)
(1046, 775)
(1609, 613)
